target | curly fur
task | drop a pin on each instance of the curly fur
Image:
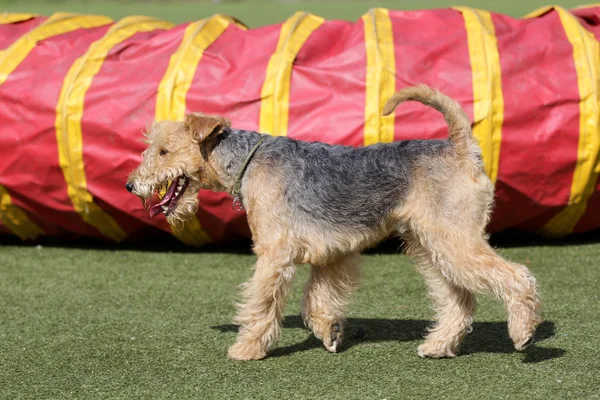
(322, 204)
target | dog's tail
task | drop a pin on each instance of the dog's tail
(456, 118)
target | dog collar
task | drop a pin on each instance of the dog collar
(237, 186)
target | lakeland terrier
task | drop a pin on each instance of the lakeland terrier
(322, 204)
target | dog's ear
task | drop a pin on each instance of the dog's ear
(202, 126)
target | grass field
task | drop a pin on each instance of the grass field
(80, 323)
(256, 13)
(129, 323)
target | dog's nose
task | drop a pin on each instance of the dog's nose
(129, 187)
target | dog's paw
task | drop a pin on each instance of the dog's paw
(524, 337)
(525, 343)
(244, 351)
(435, 349)
(333, 341)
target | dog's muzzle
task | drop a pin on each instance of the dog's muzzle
(129, 187)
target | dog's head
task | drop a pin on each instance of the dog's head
(175, 166)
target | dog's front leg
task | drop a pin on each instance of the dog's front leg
(326, 296)
(261, 313)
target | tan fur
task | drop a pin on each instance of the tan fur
(326, 296)
(445, 231)
(459, 126)
(442, 220)
(181, 141)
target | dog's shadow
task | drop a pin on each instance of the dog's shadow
(486, 337)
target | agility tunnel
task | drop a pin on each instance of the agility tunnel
(77, 91)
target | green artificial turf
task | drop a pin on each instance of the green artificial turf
(85, 323)
(256, 13)
(92, 323)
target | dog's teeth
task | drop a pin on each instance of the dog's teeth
(176, 194)
(181, 181)
(165, 208)
(179, 188)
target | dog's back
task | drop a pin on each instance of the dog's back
(353, 188)
(357, 189)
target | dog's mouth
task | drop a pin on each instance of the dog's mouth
(171, 197)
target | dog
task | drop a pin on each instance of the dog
(323, 204)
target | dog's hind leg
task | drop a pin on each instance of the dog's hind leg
(326, 296)
(261, 313)
(472, 265)
(454, 308)
(512, 282)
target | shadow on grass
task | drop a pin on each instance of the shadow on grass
(508, 239)
(163, 242)
(487, 337)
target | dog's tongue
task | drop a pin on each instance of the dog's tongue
(157, 208)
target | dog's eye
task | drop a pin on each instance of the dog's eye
(163, 152)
